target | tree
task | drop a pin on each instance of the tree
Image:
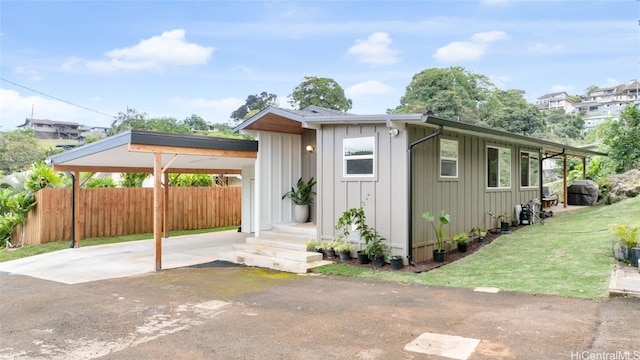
(195, 122)
(589, 89)
(133, 120)
(18, 150)
(562, 125)
(253, 104)
(511, 112)
(41, 176)
(449, 93)
(318, 91)
(622, 140)
(133, 179)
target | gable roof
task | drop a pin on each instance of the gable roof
(28, 121)
(553, 95)
(289, 121)
(304, 121)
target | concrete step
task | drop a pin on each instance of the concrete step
(278, 252)
(304, 230)
(290, 244)
(248, 259)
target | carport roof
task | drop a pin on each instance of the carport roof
(133, 151)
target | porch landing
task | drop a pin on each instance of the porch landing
(283, 248)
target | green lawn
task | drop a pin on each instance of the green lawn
(568, 256)
(17, 253)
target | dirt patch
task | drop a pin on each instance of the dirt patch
(423, 266)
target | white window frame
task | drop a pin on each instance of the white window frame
(351, 142)
(533, 179)
(454, 159)
(499, 174)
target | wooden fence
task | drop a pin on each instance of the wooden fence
(108, 212)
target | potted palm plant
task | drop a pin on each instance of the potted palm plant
(302, 197)
(443, 219)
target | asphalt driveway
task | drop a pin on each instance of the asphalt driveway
(246, 313)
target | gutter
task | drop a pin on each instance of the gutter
(424, 119)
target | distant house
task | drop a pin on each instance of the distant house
(396, 166)
(49, 129)
(557, 100)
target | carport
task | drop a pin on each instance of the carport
(137, 151)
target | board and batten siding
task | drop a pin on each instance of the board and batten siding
(278, 168)
(383, 197)
(466, 198)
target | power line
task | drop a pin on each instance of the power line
(57, 98)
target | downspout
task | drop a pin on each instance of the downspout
(410, 181)
(73, 210)
(540, 172)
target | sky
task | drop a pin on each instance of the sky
(87, 61)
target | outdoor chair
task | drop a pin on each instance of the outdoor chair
(548, 199)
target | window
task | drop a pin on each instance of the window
(529, 166)
(499, 167)
(359, 155)
(448, 158)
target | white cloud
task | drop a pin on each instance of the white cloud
(459, 51)
(168, 49)
(374, 50)
(545, 48)
(469, 50)
(489, 36)
(371, 87)
(32, 74)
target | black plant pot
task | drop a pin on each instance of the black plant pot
(481, 239)
(396, 263)
(330, 253)
(504, 226)
(363, 258)
(462, 247)
(634, 256)
(345, 256)
(438, 256)
(377, 261)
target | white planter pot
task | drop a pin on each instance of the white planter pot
(301, 213)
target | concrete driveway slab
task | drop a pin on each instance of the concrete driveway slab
(100, 262)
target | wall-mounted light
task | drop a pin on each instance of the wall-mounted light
(310, 148)
(394, 132)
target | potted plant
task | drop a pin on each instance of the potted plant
(344, 250)
(302, 197)
(443, 219)
(514, 221)
(504, 222)
(311, 245)
(462, 240)
(395, 261)
(626, 237)
(374, 246)
(478, 233)
(355, 218)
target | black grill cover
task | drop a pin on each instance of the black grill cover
(582, 192)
